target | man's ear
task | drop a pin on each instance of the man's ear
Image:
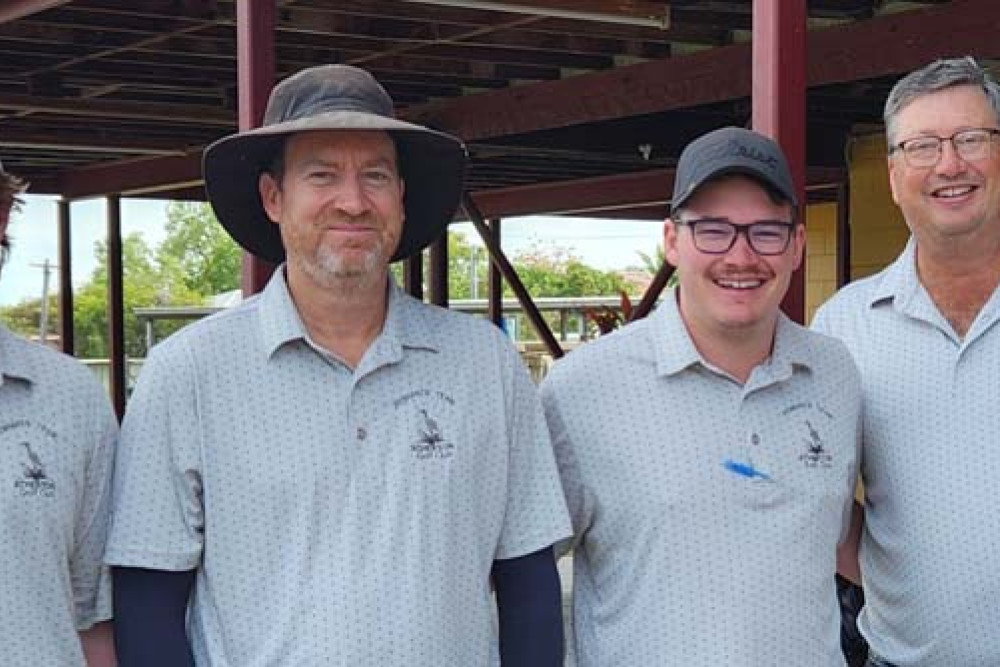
(799, 241)
(270, 196)
(670, 241)
(894, 174)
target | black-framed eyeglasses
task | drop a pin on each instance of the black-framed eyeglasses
(715, 236)
(970, 145)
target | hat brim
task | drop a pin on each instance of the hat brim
(431, 163)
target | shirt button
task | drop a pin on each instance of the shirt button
(362, 433)
(754, 439)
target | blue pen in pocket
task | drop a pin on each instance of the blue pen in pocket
(745, 470)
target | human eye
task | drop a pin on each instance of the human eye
(922, 146)
(378, 176)
(768, 231)
(320, 176)
(712, 229)
(971, 138)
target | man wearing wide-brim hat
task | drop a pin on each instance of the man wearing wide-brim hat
(330, 473)
(57, 438)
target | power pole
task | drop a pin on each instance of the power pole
(43, 320)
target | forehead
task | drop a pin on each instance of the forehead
(945, 111)
(735, 196)
(340, 145)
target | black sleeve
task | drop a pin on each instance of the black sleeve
(529, 604)
(150, 617)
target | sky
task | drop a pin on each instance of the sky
(605, 244)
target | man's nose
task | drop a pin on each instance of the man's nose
(351, 196)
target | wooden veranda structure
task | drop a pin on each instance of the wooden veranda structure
(568, 106)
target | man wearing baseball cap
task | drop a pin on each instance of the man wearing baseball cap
(57, 437)
(332, 472)
(710, 477)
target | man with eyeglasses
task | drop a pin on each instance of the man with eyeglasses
(708, 453)
(925, 337)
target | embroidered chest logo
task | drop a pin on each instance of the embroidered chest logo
(815, 455)
(431, 443)
(808, 421)
(428, 412)
(33, 478)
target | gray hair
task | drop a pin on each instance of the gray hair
(939, 75)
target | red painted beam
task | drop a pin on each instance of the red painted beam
(882, 46)
(11, 10)
(602, 193)
(140, 176)
(116, 307)
(779, 103)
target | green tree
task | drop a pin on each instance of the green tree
(198, 251)
(558, 272)
(145, 282)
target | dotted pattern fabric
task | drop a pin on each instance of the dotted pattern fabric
(57, 442)
(930, 555)
(706, 513)
(336, 517)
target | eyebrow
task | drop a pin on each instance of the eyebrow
(380, 161)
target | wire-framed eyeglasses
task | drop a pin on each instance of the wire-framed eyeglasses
(716, 236)
(925, 151)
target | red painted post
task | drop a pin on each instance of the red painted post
(255, 69)
(116, 307)
(779, 101)
(66, 333)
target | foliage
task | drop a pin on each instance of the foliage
(199, 250)
(197, 259)
(558, 272)
(191, 264)
(608, 319)
(652, 262)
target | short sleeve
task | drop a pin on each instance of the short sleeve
(577, 498)
(89, 577)
(157, 511)
(536, 514)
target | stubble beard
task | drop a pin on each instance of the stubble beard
(349, 276)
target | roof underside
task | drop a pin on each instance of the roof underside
(102, 96)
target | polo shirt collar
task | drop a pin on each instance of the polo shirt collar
(899, 283)
(13, 362)
(675, 351)
(404, 326)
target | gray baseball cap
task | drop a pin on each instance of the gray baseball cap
(731, 150)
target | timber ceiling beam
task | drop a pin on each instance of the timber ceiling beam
(11, 10)
(604, 193)
(132, 177)
(95, 108)
(60, 142)
(881, 46)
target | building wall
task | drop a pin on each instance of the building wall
(878, 232)
(821, 255)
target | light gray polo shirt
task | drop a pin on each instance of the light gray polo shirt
(335, 517)
(57, 436)
(930, 555)
(707, 513)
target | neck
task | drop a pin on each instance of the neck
(343, 317)
(736, 351)
(960, 277)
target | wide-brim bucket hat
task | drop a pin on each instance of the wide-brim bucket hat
(333, 97)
